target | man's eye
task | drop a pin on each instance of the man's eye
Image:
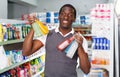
(70, 15)
(63, 14)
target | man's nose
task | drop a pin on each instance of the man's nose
(66, 17)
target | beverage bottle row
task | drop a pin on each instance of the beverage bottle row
(14, 31)
(100, 43)
(14, 56)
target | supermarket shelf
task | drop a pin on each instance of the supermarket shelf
(33, 57)
(17, 64)
(13, 66)
(100, 50)
(101, 66)
(81, 25)
(88, 35)
(11, 41)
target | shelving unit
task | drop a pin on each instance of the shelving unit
(16, 44)
(102, 42)
(11, 42)
(101, 66)
(17, 64)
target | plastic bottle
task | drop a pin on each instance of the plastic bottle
(8, 31)
(42, 58)
(28, 67)
(65, 43)
(19, 56)
(22, 73)
(44, 29)
(33, 67)
(25, 71)
(37, 64)
(7, 74)
(12, 72)
(71, 49)
(36, 29)
(13, 56)
(1, 34)
(3, 58)
(5, 32)
(18, 71)
(8, 57)
(23, 31)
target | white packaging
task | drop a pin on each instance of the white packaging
(3, 58)
(71, 49)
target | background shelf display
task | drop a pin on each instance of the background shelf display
(102, 42)
(101, 66)
(11, 42)
(20, 63)
(100, 36)
(13, 46)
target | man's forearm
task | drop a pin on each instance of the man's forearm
(84, 61)
(27, 45)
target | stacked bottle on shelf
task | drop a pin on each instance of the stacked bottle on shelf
(19, 71)
(36, 65)
(13, 31)
(100, 43)
(99, 72)
(14, 56)
(27, 69)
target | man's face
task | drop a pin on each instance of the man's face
(66, 17)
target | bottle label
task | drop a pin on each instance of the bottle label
(63, 45)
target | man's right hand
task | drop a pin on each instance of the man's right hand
(31, 19)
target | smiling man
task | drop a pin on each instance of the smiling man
(57, 64)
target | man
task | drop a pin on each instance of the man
(57, 64)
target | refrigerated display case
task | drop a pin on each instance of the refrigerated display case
(103, 41)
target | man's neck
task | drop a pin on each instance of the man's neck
(64, 31)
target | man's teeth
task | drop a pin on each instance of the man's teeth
(65, 21)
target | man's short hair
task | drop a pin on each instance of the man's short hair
(68, 5)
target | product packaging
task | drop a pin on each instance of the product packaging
(39, 28)
(71, 49)
(65, 43)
